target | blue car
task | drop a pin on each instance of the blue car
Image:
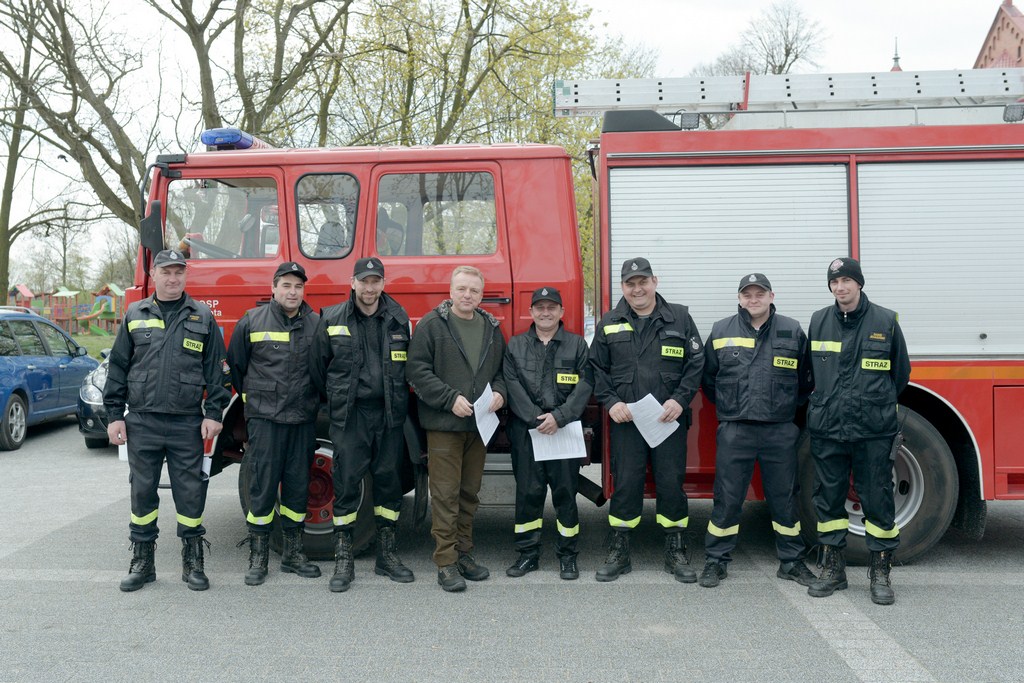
(41, 372)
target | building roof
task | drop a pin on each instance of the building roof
(23, 290)
(1007, 14)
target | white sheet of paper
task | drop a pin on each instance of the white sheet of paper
(486, 421)
(646, 412)
(207, 465)
(564, 444)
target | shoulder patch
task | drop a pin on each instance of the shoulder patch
(784, 334)
(877, 336)
(194, 318)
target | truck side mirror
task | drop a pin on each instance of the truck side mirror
(151, 232)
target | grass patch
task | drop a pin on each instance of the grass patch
(94, 343)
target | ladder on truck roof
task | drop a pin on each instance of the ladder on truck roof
(781, 92)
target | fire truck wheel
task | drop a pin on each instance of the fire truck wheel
(318, 539)
(926, 492)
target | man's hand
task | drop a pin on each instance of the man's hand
(672, 410)
(547, 425)
(620, 413)
(497, 401)
(462, 407)
(116, 433)
(210, 428)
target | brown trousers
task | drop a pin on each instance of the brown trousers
(455, 463)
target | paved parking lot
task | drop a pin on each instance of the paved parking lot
(63, 548)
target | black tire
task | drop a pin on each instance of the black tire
(318, 538)
(14, 425)
(927, 488)
(96, 442)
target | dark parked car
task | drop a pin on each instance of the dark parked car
(41, 371)
(92, 417)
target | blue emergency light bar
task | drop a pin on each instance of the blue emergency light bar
(228, 138)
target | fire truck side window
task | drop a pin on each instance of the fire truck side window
(326, 205)
(221, 218)
(436, 214)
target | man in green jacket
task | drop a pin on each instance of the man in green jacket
(456, 350)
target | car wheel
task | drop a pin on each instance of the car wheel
(14, 424)
(96, 442)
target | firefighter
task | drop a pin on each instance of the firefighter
(860, 364)
(358, 363)
(167, 352)
(268, 356)
(646, 345)
(549, 380)
(756, 372)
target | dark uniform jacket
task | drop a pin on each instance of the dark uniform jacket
(551, 378)
(861, 366)
(664, 359)
(160, 366)
(337, 359)
(269, 359)
(439, 370)
(757, 375)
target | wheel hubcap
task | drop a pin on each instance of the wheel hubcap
(908, 492)
(17, 422)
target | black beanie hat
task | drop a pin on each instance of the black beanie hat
(847, 267)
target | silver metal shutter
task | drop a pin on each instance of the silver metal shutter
(703, 228)
(942, 245)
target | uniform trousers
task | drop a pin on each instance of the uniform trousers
(630, 454)
(367, 444)
(532, 481)
(740, 445)
(153, 438)
(279, 457)
(871, 462)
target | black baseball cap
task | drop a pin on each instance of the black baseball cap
(169, 257)
(546, 294)
(291, 268)
(636, 266)
(366, 267)
(755, 279)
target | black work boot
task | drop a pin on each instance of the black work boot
(344, 562)
(881, 589)
(714, 572)
(388, 562)
(527, 562)
(142, 570)
(567, 568)
(449, 579)
(676, 561)
(796, 571)
(470, 569)
(192, 568)
(833, 574)
(293, 560)
(259, 557)
(617, 562)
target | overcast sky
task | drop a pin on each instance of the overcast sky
(933, 34)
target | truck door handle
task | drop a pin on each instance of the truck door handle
(496, 300)
(30, 367)
(62, 367)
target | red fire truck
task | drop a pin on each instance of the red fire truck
(932, 211)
